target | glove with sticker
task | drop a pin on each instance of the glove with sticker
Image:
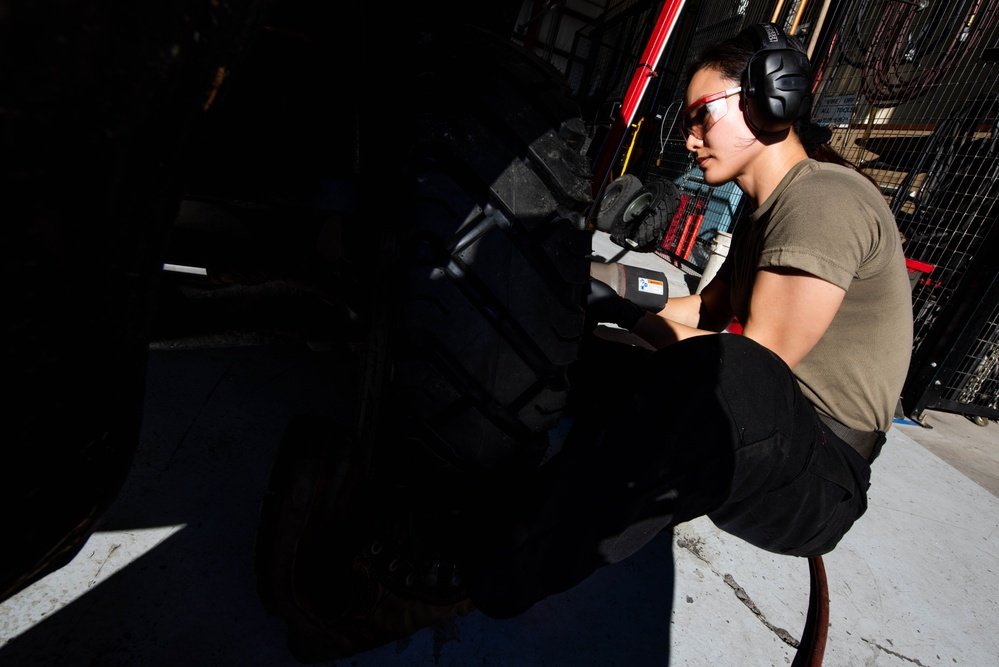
(603, 304)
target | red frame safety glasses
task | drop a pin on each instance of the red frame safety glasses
(701, 116)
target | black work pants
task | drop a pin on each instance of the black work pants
(714, 425)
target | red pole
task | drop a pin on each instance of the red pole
(646, 69)
(670, 239)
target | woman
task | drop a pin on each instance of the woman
(769, 433)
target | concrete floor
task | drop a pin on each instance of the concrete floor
(169, 578)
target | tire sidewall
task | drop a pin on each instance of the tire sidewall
(643, 217)
(618, 194)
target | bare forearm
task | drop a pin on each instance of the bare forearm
(687, 316)
(684, 310)
(660, 331)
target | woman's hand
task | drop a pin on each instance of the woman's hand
(603, 304)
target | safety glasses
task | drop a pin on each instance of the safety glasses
(700, 116)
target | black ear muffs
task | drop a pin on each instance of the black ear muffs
(776, 85)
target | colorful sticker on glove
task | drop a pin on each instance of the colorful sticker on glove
(650, 286)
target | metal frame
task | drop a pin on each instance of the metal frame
(958, 326)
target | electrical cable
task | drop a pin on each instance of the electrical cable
(828, 40)
(672, 125)
(854, 48)
(895, 68)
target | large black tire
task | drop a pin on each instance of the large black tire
(641, 223)
(94, 113)
(488, 264)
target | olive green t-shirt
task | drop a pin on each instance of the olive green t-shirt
(830, 221)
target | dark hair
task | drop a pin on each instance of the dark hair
(730, 58)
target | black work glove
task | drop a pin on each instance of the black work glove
(603, 304)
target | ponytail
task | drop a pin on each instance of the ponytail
(815, 138)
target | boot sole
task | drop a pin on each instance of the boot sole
(313, 457)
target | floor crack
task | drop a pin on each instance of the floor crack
(894, 653)
(741, 593)
(104, 561)
(694, 546)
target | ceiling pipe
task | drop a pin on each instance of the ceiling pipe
(819, 23)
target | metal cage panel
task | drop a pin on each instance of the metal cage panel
(911, 93)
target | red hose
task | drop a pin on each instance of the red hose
(812, 646)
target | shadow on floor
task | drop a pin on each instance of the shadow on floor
(181, 536)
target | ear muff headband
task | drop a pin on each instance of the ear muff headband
(777, 82)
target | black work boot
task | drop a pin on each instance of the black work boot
(343, 561)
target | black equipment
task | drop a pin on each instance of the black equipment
(776, 85)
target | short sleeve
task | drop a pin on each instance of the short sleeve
(821, 226)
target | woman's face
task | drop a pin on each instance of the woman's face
(717, 134)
